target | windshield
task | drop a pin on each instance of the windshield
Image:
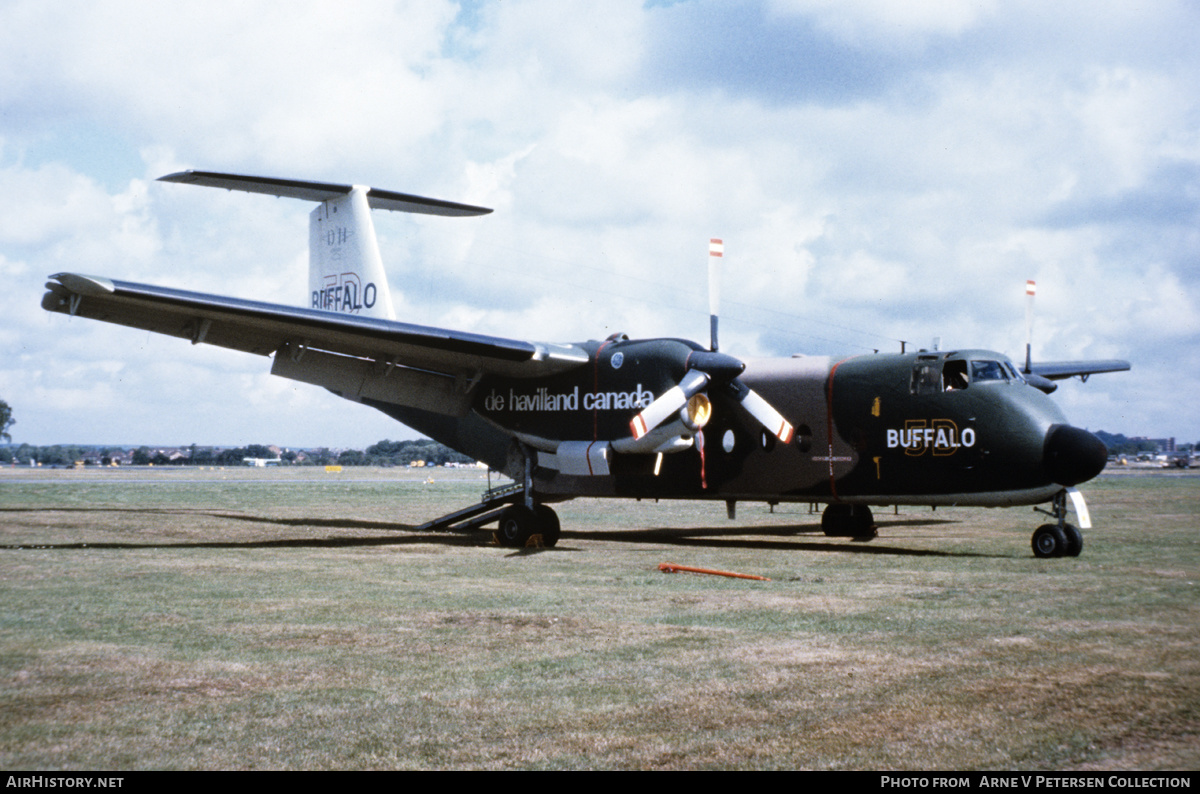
(987, 370)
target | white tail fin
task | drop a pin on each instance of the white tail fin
(345, 271)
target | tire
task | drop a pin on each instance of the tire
(517, 524)
(834, 520)
(1049, 541)
(862, 522)
(551, 529)
(1074, 540)
(848, 521)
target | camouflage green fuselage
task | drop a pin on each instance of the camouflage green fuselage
(919, 428)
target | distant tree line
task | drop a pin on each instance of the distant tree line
(384, 453)
(57, 455)
(404, 453)
(1119, 444)
(6, 421)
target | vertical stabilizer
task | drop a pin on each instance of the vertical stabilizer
(345, 271)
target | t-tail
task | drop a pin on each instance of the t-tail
(345, 270)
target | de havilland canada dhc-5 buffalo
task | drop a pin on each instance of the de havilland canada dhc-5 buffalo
(638, 418)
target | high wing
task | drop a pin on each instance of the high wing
(354, 356)
(1061, 370)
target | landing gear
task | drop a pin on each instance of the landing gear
(1049, 541)
(1060, 539)
(853, 521)
(551, 529)
(519, 523)
(1074, 540)
(519, 516)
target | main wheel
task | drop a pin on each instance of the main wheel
(843, 520)
(517, 524)
(1074, 540)
(550, 526)
(1050, 541)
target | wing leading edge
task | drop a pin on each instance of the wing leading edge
(266, 328)
(1061, 370)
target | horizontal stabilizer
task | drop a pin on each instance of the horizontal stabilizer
(324, 191)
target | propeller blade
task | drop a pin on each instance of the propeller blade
(1030, 292)
(716, 250)
(762, 410)
(668, 404)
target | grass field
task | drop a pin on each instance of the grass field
(291, 619)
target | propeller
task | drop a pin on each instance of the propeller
(706, 370)
(1036, 381)
(1030, 292)
(716, 251)
(705, 367)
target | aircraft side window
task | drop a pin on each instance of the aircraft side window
(955, 375)
(927, 378)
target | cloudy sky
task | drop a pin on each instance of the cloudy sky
(880, 171)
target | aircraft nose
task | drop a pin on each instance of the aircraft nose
(1072, 455)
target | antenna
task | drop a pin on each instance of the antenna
(1030, 291)
(716, 250)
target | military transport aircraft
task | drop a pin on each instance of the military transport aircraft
(642, 418)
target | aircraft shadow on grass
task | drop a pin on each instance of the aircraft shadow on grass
(766, 538)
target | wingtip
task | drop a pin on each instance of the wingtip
(84, 284)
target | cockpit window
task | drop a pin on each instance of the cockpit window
(987, 370)
(955, 375)
(931, 376)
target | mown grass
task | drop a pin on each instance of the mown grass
(284, 619)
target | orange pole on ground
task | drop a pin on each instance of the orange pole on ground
(670, 567)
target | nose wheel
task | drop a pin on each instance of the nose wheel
(1059, 539)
